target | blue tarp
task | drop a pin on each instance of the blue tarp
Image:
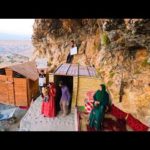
(7, 114)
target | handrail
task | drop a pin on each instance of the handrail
(77, 86)
(76, 119)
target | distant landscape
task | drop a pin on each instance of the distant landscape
(7, 36)
(15, 51)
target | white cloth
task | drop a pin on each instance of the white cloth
(42, 80)
(73, 51)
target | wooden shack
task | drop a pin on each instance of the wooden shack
(79, 79)
(18, 84)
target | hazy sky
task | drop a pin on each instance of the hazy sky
(16, 26)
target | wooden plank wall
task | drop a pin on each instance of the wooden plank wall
(10, 86)
(3, 90)
(51, 77)
(75, 81)
(86, 84)
(32, 89)
(21, 97)
(11, 92)
(9, 72)
(29, 93)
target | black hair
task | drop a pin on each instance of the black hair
(50, 83)
(103, 87)
(44, 85)
(61, 82)
(73, 43)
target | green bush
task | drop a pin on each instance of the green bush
(137, 72)
(109, 83)
(111, 74)
(49, 64)
(145, 63)
(81, 108)
(97, 46)
(104, 39)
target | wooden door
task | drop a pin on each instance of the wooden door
(21, 96)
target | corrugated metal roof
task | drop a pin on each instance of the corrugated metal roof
(75, 70)
(27, 69)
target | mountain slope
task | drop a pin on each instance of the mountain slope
(118, 48)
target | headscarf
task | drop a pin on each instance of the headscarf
(52, 84)
(99, 95)
(103, 91)
(52, 89)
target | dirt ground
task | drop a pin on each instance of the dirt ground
(35, 121)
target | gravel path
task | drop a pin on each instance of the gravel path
(34, 121)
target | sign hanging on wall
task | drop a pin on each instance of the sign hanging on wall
(41, 63)
(73, 51)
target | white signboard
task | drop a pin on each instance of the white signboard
(73, 51)
(41, 63)
(42, 81)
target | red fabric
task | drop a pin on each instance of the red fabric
(89, 95)
(23, 107)
(120, 123)
(90, 129)
(52, 85)
(117, 112)
(111, 125)
(48, 108)
(89, 104)
(135, 124)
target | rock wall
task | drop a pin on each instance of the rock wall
(118, 48)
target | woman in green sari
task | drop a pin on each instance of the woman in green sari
(101, 100)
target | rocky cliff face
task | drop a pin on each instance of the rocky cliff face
(118, 48)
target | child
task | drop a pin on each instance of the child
(45, 93)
